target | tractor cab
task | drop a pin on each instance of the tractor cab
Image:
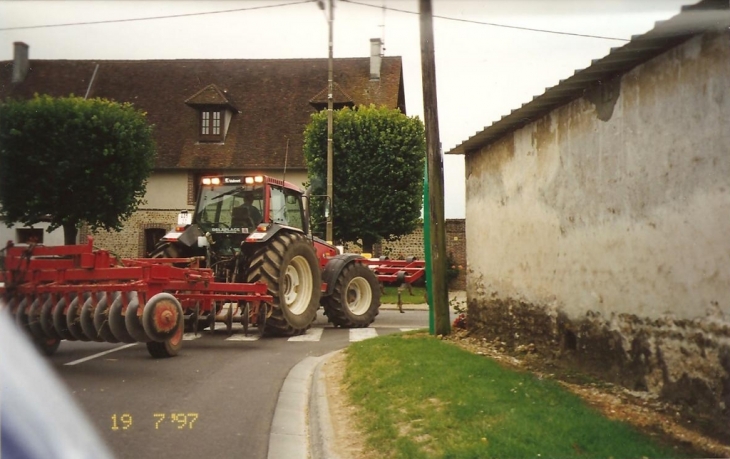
(238, 204)
(232, 208)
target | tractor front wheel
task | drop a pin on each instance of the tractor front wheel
(287, 263)
(355, 300)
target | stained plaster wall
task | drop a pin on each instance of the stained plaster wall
(600, 233)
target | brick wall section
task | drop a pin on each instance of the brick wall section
(411, 245)
(129, 242)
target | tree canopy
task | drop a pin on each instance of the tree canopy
(379, 159)
(70, 161)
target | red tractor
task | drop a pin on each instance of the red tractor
(250, 229)
(244, 255)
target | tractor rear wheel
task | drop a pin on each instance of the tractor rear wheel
(355, 300)
(288, 265)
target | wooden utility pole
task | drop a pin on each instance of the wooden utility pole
(329, 236)
(435, 168)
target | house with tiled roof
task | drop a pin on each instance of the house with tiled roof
(599, 215)
(209, 116)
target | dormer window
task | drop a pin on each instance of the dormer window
(340, 99)
(215, 111)
(211, 124)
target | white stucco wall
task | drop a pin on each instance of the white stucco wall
(628, 215)
(167, 190)
(10, 234)
(601, 231)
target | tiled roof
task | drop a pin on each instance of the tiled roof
(271, 99)
(338, 96)
(211, 95)
(693, 20)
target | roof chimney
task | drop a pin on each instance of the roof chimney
(376, 56)
(20, 62)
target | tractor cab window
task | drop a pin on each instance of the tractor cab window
(230, 206)
(286, 207)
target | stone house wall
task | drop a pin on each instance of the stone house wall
(411, 245)
(130, 242)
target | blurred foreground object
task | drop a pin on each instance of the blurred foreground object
(38, 418)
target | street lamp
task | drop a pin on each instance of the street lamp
(330, 153)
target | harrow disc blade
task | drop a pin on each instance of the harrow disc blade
(116, 321)
(21, 314)
(34, 320)
(133, 321)
(162, 316)
(101, 319)
(73, 319)
(86, 319)
(48, 346)
(46, 319)
(59, 320)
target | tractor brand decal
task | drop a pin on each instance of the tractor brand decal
(231, 180)
(230, 230)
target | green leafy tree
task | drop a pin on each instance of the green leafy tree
(70, 161)
(379, 159)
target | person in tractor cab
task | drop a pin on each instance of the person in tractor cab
(246, 215)
(253, 211)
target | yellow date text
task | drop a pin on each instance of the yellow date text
(179, 421)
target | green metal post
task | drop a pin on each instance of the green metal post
(427, 252)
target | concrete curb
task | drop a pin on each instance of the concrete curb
(289, 433)
(321, 433)
(301, 427)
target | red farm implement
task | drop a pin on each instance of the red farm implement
(79, 293)
(405, 271)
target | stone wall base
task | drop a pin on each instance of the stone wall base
(684, 362)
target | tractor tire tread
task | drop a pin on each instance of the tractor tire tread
(266, 265)
(338, 313)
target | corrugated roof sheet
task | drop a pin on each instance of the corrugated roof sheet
(693, 20)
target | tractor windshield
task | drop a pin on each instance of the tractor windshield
(225, 207)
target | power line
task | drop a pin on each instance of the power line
(45, 26)
(489, 23)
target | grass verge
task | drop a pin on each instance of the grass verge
(421, 397)
(391, 295)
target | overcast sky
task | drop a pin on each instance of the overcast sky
(482, 71)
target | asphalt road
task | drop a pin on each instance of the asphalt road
(215, 399)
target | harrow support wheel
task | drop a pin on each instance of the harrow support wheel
(117, 321)
(162, 316)
(133, 321)
(101, 319)
(288, 264)
(168, 348)
(355, 301)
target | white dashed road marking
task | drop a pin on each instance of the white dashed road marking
(361, 334)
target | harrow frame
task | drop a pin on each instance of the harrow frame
(77, 278)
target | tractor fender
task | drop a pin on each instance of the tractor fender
(334, 267)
